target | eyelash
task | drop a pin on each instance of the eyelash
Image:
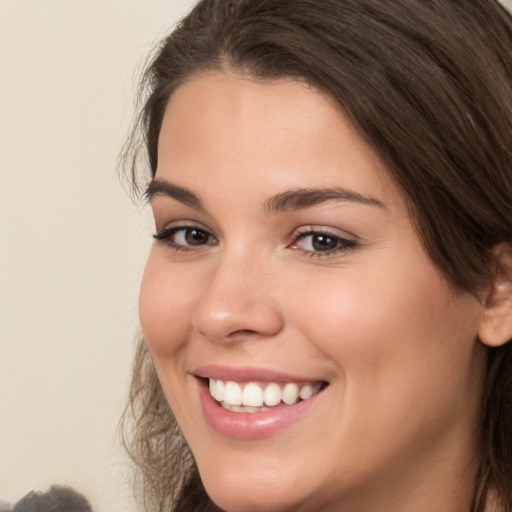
(166, 235)
(339, 243)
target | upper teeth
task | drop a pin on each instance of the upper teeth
(231, 393)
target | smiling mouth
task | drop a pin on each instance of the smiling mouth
(254, 397)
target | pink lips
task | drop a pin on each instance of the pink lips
(246, 426)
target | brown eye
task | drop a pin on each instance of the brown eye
(317, 243)
(194, 236)
(322, 242)
(183, 237)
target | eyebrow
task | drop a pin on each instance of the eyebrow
(159, 187)
(291, 200)
(302, 198)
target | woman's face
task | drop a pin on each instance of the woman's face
(286, 265)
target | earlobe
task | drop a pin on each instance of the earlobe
(495, 326)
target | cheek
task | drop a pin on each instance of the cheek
(399, 331)
(398, 340)
(164, 307)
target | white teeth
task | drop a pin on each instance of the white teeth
(272, 395)
(233, 393)
(290, 393)
(242, 408)
(252, 395)
(306, 391)
(217, 389)
(253, 398)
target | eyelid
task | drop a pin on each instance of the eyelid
(326, 230)
(166, 233)
(184, 222)
(346, 241)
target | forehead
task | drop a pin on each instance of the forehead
(283, 132)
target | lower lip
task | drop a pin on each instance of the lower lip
(257, 425)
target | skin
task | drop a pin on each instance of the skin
(395, 430)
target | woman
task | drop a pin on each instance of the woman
(328, 301)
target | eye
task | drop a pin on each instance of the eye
(318, 243)
(185, 237)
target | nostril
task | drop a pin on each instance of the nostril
(244, 332)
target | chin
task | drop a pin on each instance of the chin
(253, 490)
(239, 498)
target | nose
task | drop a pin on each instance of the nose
(237, 302)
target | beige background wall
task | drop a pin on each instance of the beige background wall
(72, 245)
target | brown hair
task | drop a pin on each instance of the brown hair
(428, 83)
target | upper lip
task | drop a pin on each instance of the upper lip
(249, 374)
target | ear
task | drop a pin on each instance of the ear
(495, 326)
